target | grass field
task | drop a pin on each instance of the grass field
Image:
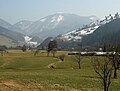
(22, 71)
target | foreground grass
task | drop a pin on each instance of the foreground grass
(26, 68)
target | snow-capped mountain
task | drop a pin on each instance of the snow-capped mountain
(56, 24)
(53, 25)
(48, 26)
(86, 29)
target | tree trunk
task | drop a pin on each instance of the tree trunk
(79, 65)
(105, 87)
(53, 54)
(115, 73)
(48, 54)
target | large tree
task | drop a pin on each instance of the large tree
(103, 68)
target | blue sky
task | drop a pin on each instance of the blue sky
(16, 10)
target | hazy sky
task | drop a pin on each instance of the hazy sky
(16, 10)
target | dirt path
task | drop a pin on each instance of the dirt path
(53, 65)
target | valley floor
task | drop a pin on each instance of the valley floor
(22, 71)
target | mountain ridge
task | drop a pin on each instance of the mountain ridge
(51, 25)
(56, 24)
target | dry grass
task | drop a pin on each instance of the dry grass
(12, 85)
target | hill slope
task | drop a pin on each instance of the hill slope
(5, 24)
(10, 36)
(108, 33)
(7, 42)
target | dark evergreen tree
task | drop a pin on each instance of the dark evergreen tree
(52, 47)
(104, 48)
(116, 16)
(24, 48)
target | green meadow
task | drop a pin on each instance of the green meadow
(23, 71)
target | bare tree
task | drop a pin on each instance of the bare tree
(78, 56)
(116, 16)
(62, 57)
(53, 51)
(36, 52)
(103, 68)
(115, 58)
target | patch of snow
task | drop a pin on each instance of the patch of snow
(92, 30)
(77, 37)
(101, 53)
(53, 19)
(27, 38)
(29, 42)
(60, 18)
(57, 18)
(32, 43)
(43, 20)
